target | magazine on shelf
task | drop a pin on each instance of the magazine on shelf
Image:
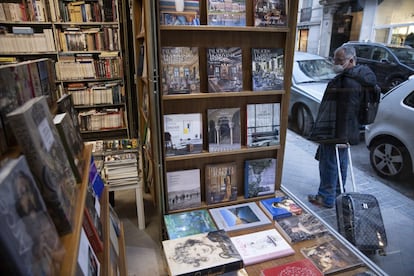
(263, 124)
(224, 129)
(259, 177)
(183, 189)
(270, 13)
(267, 69)
(226, 13)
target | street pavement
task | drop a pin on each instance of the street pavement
(301, 177)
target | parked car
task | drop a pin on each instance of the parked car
(311, 74)
(391, 64)
(390, 139)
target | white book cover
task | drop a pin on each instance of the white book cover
(183, 188)
(263, 124)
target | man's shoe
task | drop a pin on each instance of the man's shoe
(318, 200)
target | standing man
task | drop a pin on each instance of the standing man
(337, 122)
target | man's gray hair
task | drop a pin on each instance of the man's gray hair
(349, 51)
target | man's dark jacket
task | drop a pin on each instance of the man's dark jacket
(337, 119)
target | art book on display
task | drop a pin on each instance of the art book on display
(183, 133)
(202, 254)
(224, 129)
(270, 13)
(221, 182)
(301, 227)
(65, 104)
(263, 124)
(174, 13)
(280, 207)
(259, 177)
(240, 216)
(29, 241)
(267, 69)
(87, 263)
(41, 144)
(226, 13)
(330, 255)
(224, 69)
(180, 70)
(183, 188)
(261, 246)
(188, 223)
(303, 267)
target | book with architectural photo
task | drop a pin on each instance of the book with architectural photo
(184, 12)
(270, 13)
(29, 240)
(301, 227)
(210, 253)
(239, 216)
(180, 70)
(280, 207)
(224, 129)
(221, 182)
(267, 69)
(226, 13)
(263, 124)
(183, 133)
(259, 177)
(302, 267)
(188, 223)
(224, 69)
(261, 246)
(183, 189)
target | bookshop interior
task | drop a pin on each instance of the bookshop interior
(147, 138)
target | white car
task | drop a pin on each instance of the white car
(310, 76)
(390, 139)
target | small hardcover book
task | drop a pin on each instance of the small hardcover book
(261, 246)
(226, 13)
(40, 142)
(88, 262)
(211, 253)
(65, 104)
(240, 216)
(303, 267)
(224, 129)
(301, 227)
(270, 13)
(183, 188)
(221, 182)
(330, 256)
(180, 70)
(183, 133)
(263, 124)
(184, 12)
(29, 242)
(280, 207)
(92, 224)
(188, 223)
(267, 69)
(260, 177)
(224, 69)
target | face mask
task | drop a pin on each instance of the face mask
(340, 68)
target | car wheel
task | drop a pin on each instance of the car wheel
(304, 120)
(390, 159)
(394, 82)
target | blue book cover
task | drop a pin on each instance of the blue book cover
(280, 207)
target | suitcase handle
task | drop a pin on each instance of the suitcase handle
(350, 165)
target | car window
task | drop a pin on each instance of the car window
(405, 55)
(379, 54)
(363, 51)
(315, 70)
(409, 100)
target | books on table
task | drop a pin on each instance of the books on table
(183, 189)
(259, 177)
(280, 207)
(220, 182)
(303, 267)
(224, 129)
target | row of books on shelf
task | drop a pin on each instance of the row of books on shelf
(266, 13)
(102, 119)
(216, 245)
(27, 42)
(180, 67)
(94, 93)
(18, 11)
(85, 11)
(183, 133)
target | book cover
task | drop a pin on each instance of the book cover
(261, 246)
(224, 69)
(224, 129)
(183, 189)
(267, 69)
(301, 227)
(40, 142)
(330, 256)
(65, 104)
(91, 223)
(260, 177)
(72, 142)
(263, 124)
(30, 244)
(240, 216)
(220, 182)
(301, 267)
(188, 223)
(209, 253)
(180, 70)
(226, 13)
(184, 12)
(280, 207)
(95, 179)
(87, 263)
(270, 13)
(183, 133)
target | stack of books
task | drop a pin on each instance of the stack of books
(121, 169)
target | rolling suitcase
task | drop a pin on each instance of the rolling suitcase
(359, 215)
